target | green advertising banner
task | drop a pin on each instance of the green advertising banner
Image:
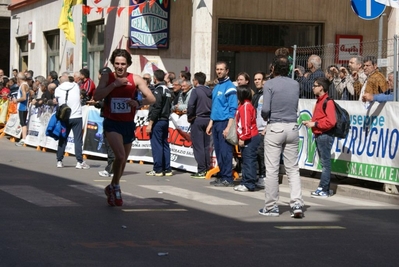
(368, 152)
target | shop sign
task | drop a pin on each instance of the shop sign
(149, 24)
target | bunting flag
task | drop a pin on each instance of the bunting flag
(143, 62)
(65, 23)
(142, 6)
(152, 2)
(110, 9)
(86, 9)
(101, 5)
(154, 67)
(201, 4)
(120, 11)
(127, 43)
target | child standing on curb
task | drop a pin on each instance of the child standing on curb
(248, 138)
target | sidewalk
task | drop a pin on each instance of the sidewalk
(348, 187)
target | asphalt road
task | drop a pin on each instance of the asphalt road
(59, 217)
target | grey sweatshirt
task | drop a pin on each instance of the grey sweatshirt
(280, 100)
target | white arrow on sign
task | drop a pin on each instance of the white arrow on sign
(368, 8)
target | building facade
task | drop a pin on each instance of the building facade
(245, 33)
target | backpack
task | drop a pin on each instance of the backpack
(342, 127)
(64, 111)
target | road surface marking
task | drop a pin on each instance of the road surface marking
(144, 210)
(310, 227)
(108, 181)
(193, 195)
(37, 196)
(128, 199)
(350, 201)
(260, 195)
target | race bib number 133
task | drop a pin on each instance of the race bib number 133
(120, 105)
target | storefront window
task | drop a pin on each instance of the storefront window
(95, 39)
(250, 45)
(23, 53)
(53, 50)
(254, 33)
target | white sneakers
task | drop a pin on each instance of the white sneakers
(20, 143)
(104, 173)
(82, 165)
(241, 188)
(79, 165)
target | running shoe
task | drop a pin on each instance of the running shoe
(273, 212)
(82, 165)
(109, 192)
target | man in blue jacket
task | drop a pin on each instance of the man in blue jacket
(224, 106)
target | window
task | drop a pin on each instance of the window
(250, 45)
(5, 45)
(23, 53)
(265, 33)
(53, 51)
(95, 40)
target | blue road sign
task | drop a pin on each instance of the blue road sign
(367, 9)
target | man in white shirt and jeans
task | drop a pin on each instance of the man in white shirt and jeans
(75, 122)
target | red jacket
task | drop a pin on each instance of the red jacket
(246, 121)
(89, 87)
(325, 119)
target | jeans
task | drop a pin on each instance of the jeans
(223, 151)
(160, 146)
(282, 138)
(76, 125)
(324, 144)
(248, 157)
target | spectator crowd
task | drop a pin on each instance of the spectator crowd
(264, 117)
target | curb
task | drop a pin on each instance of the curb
(311, 184)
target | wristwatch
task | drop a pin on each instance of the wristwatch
(315, 124)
